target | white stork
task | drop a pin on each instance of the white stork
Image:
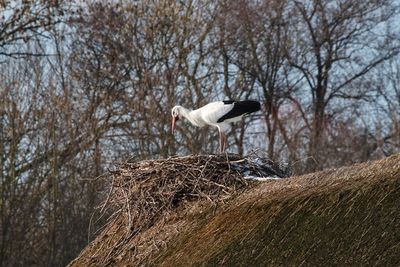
(219, 114)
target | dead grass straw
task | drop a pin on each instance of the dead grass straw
(140, 193)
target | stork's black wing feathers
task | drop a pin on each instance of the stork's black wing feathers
(240, 108)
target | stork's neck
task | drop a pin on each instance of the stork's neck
(193, 116)
(184, 112)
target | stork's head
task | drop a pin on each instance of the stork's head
(176, 114)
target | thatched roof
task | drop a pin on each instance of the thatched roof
(199, 210)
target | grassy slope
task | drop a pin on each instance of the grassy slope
(348, 216)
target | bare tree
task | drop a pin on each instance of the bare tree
(255, 40)
(151, 57)
(22, 22)
(337, 44)
(385, 129)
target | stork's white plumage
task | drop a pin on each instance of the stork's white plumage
(218, 114)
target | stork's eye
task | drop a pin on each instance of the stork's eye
(175, 112)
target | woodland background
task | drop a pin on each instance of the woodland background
(86, 83)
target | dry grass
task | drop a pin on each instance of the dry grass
(144, 193)
(335, 217)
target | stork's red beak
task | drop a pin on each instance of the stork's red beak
(174, 119)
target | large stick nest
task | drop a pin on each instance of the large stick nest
(142, 192)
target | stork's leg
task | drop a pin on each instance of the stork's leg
(225, 142)
(221, 142)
